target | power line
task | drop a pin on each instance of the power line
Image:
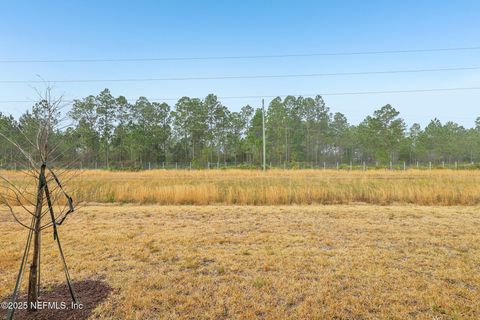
(293, 55)
(268, 76)
(303, 95)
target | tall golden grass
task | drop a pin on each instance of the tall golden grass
(275, 187)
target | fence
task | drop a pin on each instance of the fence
(326, 165)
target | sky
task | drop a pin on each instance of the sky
(49, 30)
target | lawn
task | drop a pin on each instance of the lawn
(271, 262)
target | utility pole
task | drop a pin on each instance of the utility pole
(263, 134)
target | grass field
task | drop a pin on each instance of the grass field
(271, 262)
(285, 244)
(276, 187)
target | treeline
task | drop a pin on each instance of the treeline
(108, 131)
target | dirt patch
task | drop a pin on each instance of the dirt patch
(90, 294)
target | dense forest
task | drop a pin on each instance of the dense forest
(110, 132)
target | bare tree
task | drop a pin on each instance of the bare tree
(40, 200)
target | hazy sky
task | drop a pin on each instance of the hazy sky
(156, 29)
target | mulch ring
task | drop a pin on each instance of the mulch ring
(57, 302)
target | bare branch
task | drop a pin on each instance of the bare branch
(25, 154)
(13, 214)
(15, 188)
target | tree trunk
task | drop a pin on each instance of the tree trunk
(34, 277)
(106, 155)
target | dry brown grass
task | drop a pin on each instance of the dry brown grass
(277, 262)
(278, 187)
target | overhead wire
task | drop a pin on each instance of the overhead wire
(303, 95)
(237, 57)
(234, 77)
